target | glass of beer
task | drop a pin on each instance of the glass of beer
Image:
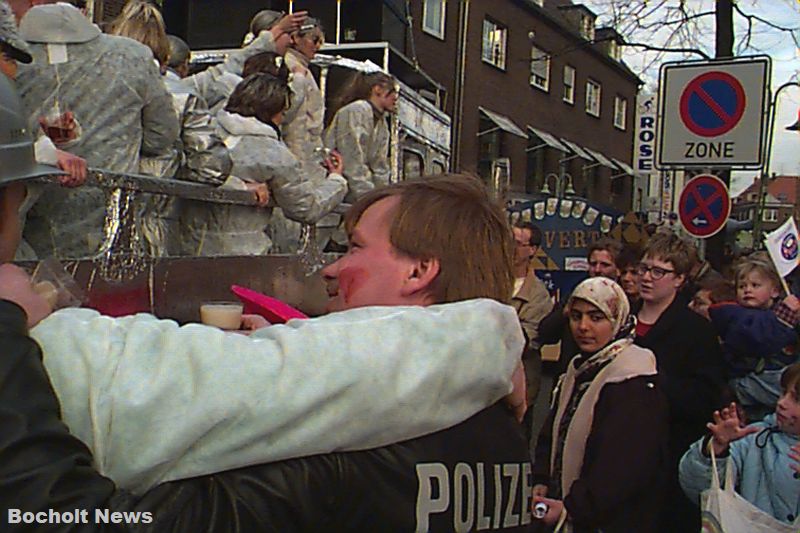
(56, 285)
(223, 315)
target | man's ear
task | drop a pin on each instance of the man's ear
(420, 276)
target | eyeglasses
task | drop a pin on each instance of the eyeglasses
(655, 272)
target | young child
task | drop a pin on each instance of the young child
(712, 289)
(765, 455)
(758, 335)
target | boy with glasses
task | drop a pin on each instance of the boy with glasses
(689, 361)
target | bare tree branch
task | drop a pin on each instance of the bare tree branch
(695, 51)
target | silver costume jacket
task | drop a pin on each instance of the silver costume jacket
(115, 92)
(199, 155)
(361, 135)
(259, 156)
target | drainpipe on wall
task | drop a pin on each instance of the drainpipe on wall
(458, 93)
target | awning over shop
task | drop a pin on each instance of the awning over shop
(580, 152)
(626, 168)
(548, 140)
(600, 158)
(502, 122)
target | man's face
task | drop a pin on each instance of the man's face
(385, 98)
(8, 66)
(602, 264)
(662, 289)
(309, 44)
(20, 7)
(523, 251)
(372, 272)
(629, 281)
(700, 303)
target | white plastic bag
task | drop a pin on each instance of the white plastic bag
(725, 511)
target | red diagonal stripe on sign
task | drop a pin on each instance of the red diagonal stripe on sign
(715, 107)
(703, 204)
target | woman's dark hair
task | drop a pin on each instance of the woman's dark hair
(359, 87)
(266, 62)
(261, 96)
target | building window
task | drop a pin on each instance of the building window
(494, 44)
(593, 98)
(540, 68)
(433, 12)
(620, 111)
(569, 84)
(770, 215)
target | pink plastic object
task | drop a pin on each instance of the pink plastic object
(274, 310)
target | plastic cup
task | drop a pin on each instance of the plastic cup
(224, 315)
(52, 282)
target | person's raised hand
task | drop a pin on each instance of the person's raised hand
(15, 286)
(289, 23)
(75, 167)
(726, 428)
(792, 302)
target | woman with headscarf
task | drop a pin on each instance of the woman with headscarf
(602, 464)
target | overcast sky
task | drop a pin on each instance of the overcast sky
(778, 45)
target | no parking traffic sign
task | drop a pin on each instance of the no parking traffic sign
(713, 113)
(704, 206)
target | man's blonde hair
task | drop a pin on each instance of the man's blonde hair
(450, 218)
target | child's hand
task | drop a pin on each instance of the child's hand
(794, 455)
(792, 302)
(727, 428)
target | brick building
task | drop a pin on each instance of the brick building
(780, 203)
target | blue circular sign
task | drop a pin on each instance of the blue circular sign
(704, 206)
(712, 104)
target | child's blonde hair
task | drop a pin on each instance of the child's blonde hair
(758, 262)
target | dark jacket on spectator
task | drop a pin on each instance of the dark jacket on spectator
(692, 374)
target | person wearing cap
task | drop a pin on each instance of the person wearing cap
(269, 32)
(12, 198)
(113, 89)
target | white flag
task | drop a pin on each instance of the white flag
(782, 247)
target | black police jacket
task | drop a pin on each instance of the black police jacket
(475, 475)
